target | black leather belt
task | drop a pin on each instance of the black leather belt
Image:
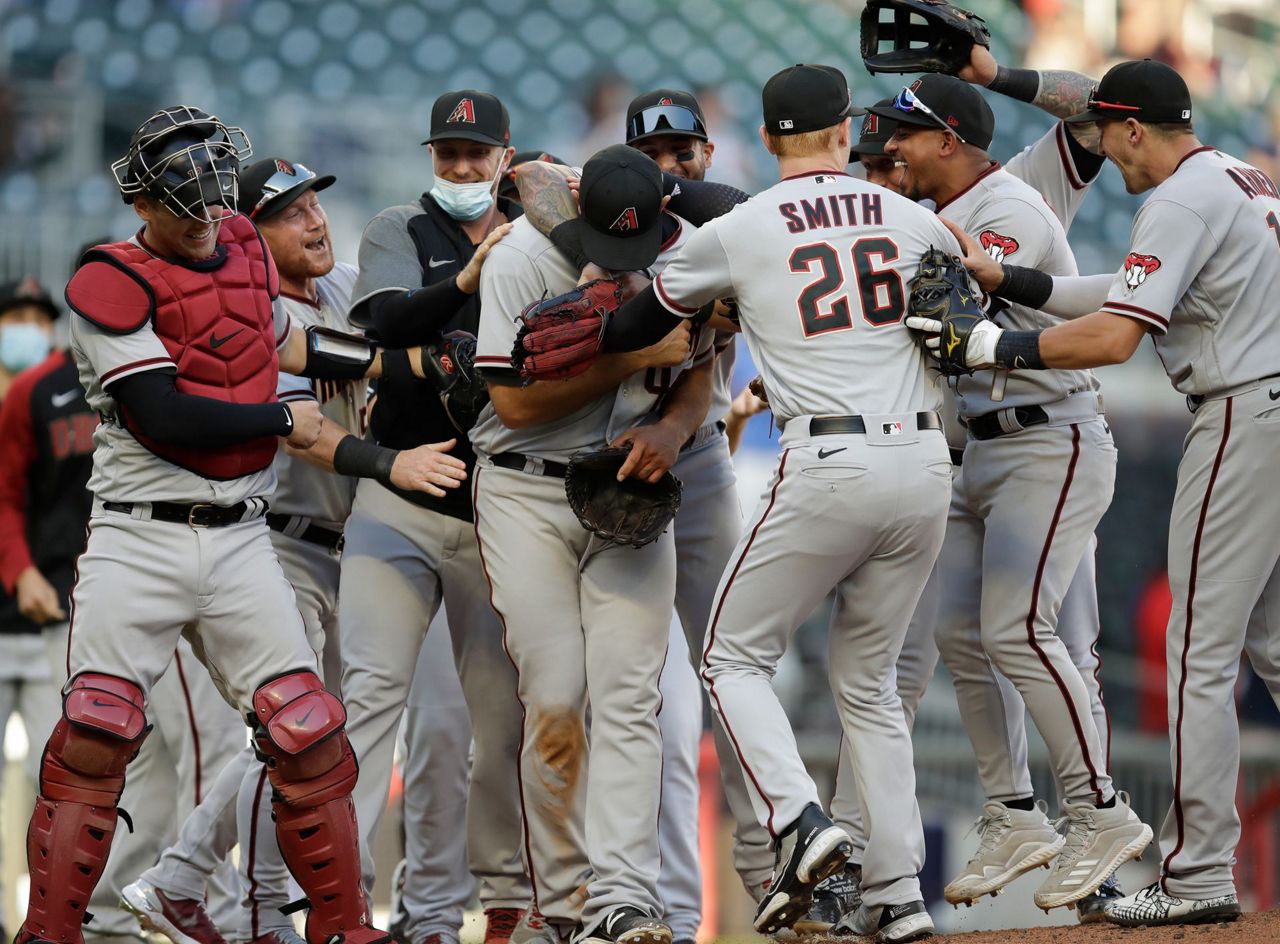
(531, 464)
(988, 426)
(832, 425)
(327, 538)
(197, 516)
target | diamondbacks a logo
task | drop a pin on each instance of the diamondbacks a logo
(915, 85)
(1137, 267)
(997, 245)
(870, 124)
(627, 221)
(285, 167)
(665, 101)
(464, 111)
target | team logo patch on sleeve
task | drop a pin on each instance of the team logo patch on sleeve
(626, 221)
(464, 111)
(1137, 267)
(998, 246)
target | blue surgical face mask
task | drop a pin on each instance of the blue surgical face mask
(23, 345)
(465, 202)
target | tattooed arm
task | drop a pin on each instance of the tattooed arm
(545, 194)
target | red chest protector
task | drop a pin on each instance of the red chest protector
(212, 316)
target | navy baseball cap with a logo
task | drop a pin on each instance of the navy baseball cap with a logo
(804, 98)
(945, 103)
(875, 132)
(620, 198)
(665, 111)
(1149, 91)
(472, 116)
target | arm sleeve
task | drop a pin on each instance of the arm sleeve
(416, 316)
(153, 404)
(508, 282)
(1060, 169)
(388, 263)
(15, 465)
(1168, 248)
(700, 201)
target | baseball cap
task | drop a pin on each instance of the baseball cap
(804, 98)
(946, 103)
(507, 187)
(665, 111)
(268, 186)
(471, 115)
(26, 291)
(876, 131)
(1144, 89)
(620, 198)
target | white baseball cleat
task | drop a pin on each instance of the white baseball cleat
(181, 920)
(1152, 905)
(1013, 842)
(1098, 841)
(888, 924)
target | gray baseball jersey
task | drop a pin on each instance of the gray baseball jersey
(1048, 166)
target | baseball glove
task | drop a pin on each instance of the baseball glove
(632, 511)
(924, 36)
(940, 291)
(450, 367)
(560, 337)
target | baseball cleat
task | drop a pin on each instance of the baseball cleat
(1013, 842)
(397, 917)
(628, 925)
(1098, 841)
(499, 923)
(888, 924)
(834, 897)
(533, 928)
(181, 920)
(1093, 909)
(807, 852)
(1152, 905)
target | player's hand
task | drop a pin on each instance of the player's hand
(469, 278)
(671, 351)
(979, 350)
(981, 68)
(37, 600)
(654, 450)
(428, 469)
(758, 392)
(591, 272)
(307, 420)
(986, 271)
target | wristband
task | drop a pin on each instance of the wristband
(363, 459)
(1025, 286)
(396, 366)
(1022, 84)
(1019, 350)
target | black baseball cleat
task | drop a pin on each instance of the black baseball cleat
(808, 851)
(1093, 909)
(834, 897)
(629, 925)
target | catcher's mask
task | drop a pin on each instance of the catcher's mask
(186, 159)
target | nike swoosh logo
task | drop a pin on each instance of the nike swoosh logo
(98, 702)
(303, 720)
(62, 399)
(436, 263)
(216, 342)
(1274, 394)
(823, 453)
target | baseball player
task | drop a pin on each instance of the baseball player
(996, 541)
(406, 553)
(818, 265)
(585, 619)
(1203, 267)
(181, 468)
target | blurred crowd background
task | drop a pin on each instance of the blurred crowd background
(345, 86)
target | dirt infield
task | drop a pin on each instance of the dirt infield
(1249, 929)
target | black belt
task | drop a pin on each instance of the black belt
(531, 464)
(197, 516)
(833, 425)
(327, 538)
(988, 426)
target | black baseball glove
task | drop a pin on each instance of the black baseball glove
(450, 367)
(923, 36)
(632, 511)
(941, 298)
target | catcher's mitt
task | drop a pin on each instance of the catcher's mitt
(450, 367)
(560, 337)
(940, 290)
(632, 511)
(924, 36)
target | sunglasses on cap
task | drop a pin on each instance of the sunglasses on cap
(286, 177)
(665, 119)
(907, 101)
(1094, 103)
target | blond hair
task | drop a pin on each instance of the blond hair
(805, 144)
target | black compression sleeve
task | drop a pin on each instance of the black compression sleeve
(154, 406)
(638, 323)
(1022, 84)
(1088, 165)
(1019, 350)
(403, 319)
(700, 201)
(363, 459)
(567, 237)
(1024, 286)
